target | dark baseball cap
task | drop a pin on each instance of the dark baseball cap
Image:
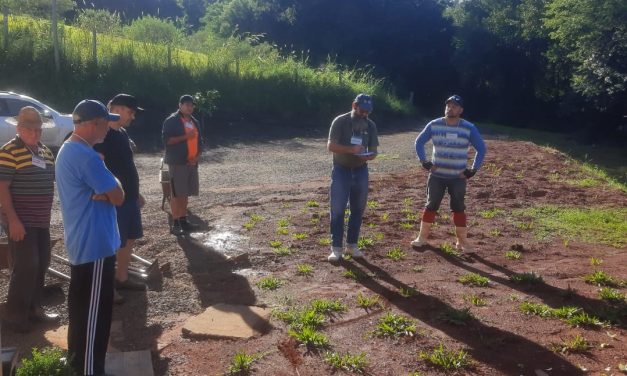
(185, 98)
(90, 109)
(457, 99)
(126, 100)
(364, 101)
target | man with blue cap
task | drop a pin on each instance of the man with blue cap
(451, 136)
(353, 141)
(88, 193)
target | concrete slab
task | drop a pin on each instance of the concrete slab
(58, 337)
(129, 363)
(229, 321)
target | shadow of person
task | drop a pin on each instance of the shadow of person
(216, 281)
(495, 347)
(553, 296)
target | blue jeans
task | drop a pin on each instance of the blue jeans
(348, 186)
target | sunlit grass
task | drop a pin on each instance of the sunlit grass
(591, 225)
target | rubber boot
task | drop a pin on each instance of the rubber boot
(425, 229)
(462, 239)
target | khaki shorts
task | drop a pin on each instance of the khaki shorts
(184, 180)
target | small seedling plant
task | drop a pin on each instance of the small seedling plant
(474, 279)
(574, 316)
(393, 325)
(365, 242)
(269, 283)
(312, 204)
(456, 316)
(526, 278)
(407, 292)
(595, 261)
(577, 344)
(347, 362)
(304, 269)
(324, 241)
(448, 360)
(275, 243)
(611, 295)
(396, 254)
(310, 337)
(242, 364)
(601, 278)
(476, 300)
(513, 255)
(367, 302)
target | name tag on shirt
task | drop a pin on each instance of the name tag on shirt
(451, 136)
(39, 162)
(356, 140)
(189, 125)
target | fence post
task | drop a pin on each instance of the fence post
(5, 41)
(55, 37)
(94, 53)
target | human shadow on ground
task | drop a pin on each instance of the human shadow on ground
(215, 279)
(492, 346)
(553, 296)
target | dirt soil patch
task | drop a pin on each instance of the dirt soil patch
(284, 182)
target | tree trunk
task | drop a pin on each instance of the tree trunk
(94, 54)
(55, 37)
(5, 30)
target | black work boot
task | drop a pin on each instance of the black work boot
(176, 228)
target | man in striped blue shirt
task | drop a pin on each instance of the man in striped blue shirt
(451, 137)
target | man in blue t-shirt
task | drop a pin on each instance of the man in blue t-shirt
(118, 157)
(88, 193)
(451, 137)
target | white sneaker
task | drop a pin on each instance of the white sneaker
(336, 254)
(418, 242)
(354, 251)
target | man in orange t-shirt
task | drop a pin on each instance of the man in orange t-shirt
(183, 146)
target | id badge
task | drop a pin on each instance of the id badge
(39, 162)
(356, 140)
(189, 125)
(451, 136)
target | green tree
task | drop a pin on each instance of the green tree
(590, 48)
(98, 21)
(155, 30)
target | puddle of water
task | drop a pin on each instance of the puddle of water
(220, 239)
(248, 272)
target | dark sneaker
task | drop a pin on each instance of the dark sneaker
(176, 229)
(128, 284)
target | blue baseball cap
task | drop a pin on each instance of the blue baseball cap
(90, 109)
(364, 101)
(457, 99)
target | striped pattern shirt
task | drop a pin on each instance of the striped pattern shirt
(32, 187)
(450, 146)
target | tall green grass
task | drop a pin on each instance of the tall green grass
(254, 80)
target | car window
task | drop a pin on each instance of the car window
(4, 107)
(15, 105)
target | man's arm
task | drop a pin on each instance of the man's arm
(116, 195)
(421, 140)
(477, 142)
(16, 228)
(334, 147)
(169, 131)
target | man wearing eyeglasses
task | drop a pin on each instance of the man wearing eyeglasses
(26, 194)
(183, 146)
(89, 193)
(353, 140)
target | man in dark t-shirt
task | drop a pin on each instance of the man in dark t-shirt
(118, 157)
(353, 140)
